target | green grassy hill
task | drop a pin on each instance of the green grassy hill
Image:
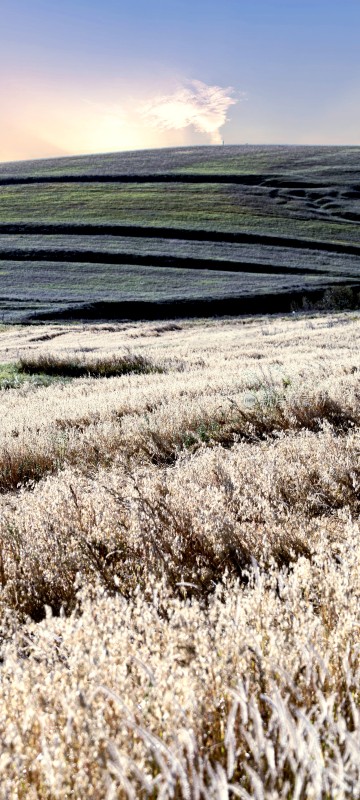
(178, 231)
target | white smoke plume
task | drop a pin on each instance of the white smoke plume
(197, 104)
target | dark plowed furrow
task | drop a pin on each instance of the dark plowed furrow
(286, 183)
(351, 216)
(104, 257)
(246, 180)
(351, 194)
(274, 303)
(140, 231)
(242, 180)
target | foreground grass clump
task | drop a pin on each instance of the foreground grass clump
(253, 695)
(179, 565)
(192, 522)
(12, 377)
(77, 368)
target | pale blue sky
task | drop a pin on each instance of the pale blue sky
(82, 76)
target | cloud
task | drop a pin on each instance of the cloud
(195, 104)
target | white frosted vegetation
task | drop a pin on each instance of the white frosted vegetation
(180, 580)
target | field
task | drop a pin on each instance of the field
(179, 475)
(180, 559)
(128, 236)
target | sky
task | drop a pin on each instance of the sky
(88, 76)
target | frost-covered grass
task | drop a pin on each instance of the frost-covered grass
(179, 562)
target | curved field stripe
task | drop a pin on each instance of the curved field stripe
(242, 180)
(104, 257)
(181, 234)
(272, 303)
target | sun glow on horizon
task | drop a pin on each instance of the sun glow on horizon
(82, 77)
(55, 124)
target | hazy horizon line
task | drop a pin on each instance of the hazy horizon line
(179, 147)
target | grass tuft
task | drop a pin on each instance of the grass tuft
(74, 367)
(11, 377)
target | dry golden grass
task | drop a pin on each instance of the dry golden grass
(179, 563)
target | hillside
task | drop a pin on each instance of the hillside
(182, 232)
(180, 493)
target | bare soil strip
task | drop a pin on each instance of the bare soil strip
(104, 257)
(165, 232)
(274, 303)
(245, 180)
(267, 180)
